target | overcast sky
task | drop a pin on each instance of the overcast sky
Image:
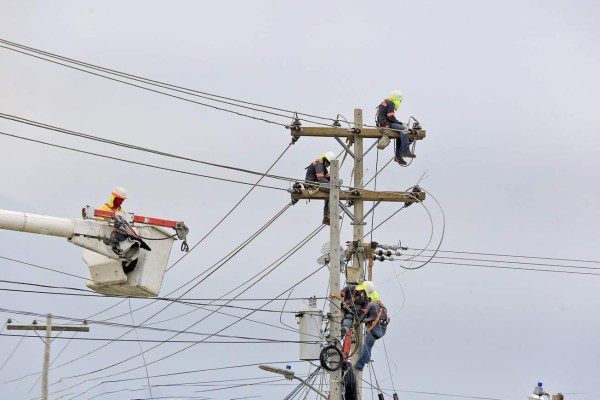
(508, 94)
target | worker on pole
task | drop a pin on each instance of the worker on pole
(117, 197)
(354, 303)
(317, 172)
(386, 118)
(376, 320)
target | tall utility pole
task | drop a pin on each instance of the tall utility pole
(355, 272)
(335, 377)
(48, 328)
(356, 134)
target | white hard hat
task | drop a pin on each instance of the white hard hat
(369, 287)
(329, 155)
(119, 192)
(397, 94)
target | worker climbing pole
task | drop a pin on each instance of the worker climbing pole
(361, 254)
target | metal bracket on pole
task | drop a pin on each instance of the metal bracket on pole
(370, 148)
(344, 146)
(347, 211)
(369, 212)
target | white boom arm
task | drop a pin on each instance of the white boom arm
(33, 223)
(84, 233)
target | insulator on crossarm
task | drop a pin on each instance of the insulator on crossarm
(390, 247)
(381, 252)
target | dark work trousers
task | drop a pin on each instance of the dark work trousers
(326, 205)
(402, 144)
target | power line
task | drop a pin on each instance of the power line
(270, 268)
(233, 208)
(517, 262)
(138, 163)
(143, 149)
(186, 372)
(13, 350)
(182, 300)
(515, 268)
(69, 132)
(121, 325)
(178, 373)
(248, 341)
(195, 305)
(141, 348)
(149, 89)
(176, 88)
(40, 267)
(512, 255)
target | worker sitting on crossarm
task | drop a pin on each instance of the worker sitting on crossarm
(386, 118)
(376, 320)
(317, 172)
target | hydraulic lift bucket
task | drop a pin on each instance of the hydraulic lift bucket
(106, 275)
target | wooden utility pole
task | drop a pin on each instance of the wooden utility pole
(355, 272)
(48, 328)
(335, 377)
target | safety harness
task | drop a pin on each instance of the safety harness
(380, 123)
(379, 320)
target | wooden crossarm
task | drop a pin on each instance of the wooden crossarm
(366, 195)
(374, 133)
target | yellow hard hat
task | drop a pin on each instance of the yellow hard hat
(396, 96)
(361, 287)
(329, 155)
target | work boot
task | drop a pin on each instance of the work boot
(326, 221)
(408, 154)
(400, 160)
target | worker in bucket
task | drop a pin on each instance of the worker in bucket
(317, 172)
(354, 302)
(117, 197)
(386, 118)
(376, 320)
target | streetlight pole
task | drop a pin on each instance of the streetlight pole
(289, 374)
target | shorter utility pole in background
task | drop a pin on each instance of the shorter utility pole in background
(48, 328)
